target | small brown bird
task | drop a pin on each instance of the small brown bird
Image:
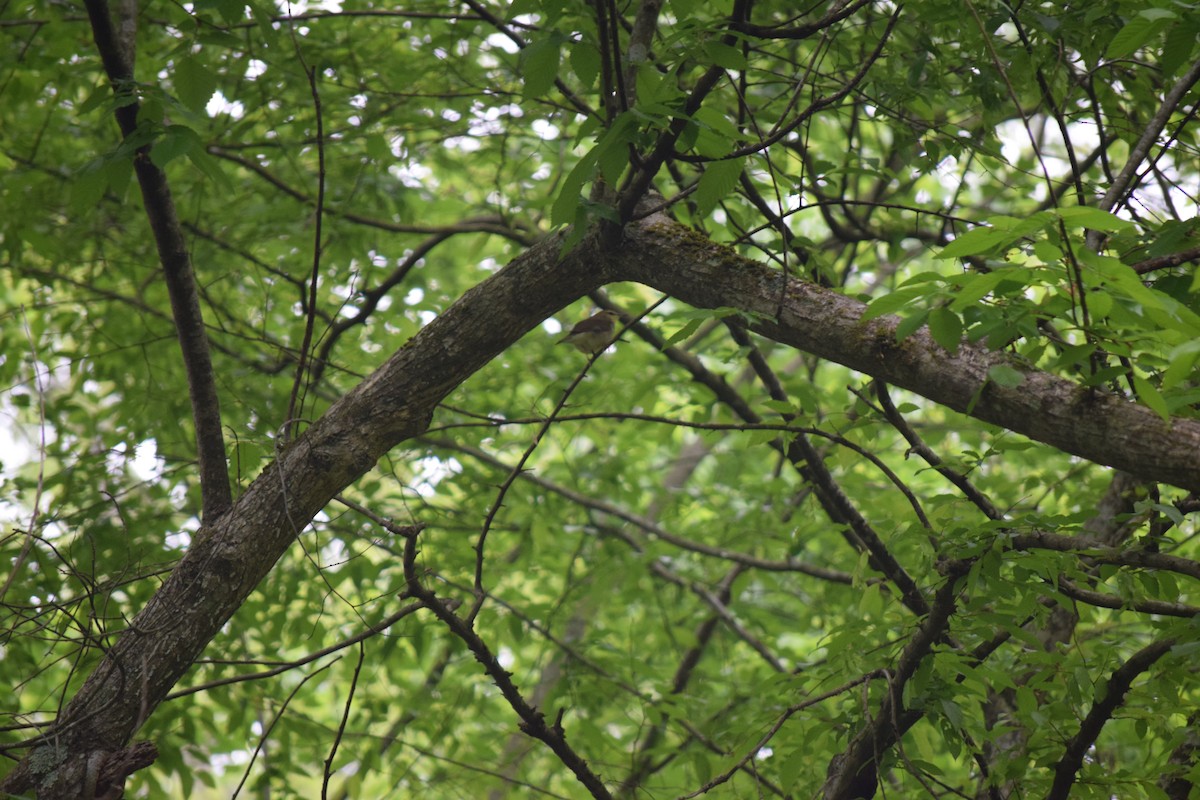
(592, 334)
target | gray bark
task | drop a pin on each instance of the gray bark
(232, 553)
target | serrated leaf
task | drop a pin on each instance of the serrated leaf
(94, 100)
(654, 89)
(780, 406)
(220, 38)
(1120, 278)
(120, 171)
(539, 65)
(976, 287)
(718, 180)
(1181, 363)
(377, 147)
(232, 11)
(89, 184)
(1099, 305)
(1137, 32)
(713, 132)
(194, 83)
(1179, 46)
(1047, 252)
(611, 150)
(566, 205)
(910, 325)
(209, 166)
(585, 63)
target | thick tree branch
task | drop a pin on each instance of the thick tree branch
(232, 553)
(1102, 553)
(1086, 422)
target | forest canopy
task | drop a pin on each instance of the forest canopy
(885, 485)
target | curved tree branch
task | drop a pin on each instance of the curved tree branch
(1087, 422)
(232, 553)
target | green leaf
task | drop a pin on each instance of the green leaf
(89, 184)
(690, 327)
(946, 328)
(377, 147)
(1179, 46)
(1006, 376)
(1048, 253)
(725, 56)
(611, 152)
(1151, 397)
(719, 179)
(539, 65)
(1138, 31)
(781, 406)
(1122, 280)
(1093, 219)
(1180, 363)
(910, 325)
(892, 302)
(714, 133)
(566, 204)
(232, 11)
(177, 140)
(976, 286)
(1099, 304)
(194, 83)
(209, 167)
(585, 62)
(97, 98)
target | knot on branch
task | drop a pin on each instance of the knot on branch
(117, 766)
(55, 772)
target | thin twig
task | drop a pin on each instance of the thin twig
(295, 401)
(275, 720)
(337, 739)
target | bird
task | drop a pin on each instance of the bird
(593, 334)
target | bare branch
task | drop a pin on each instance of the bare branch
(533, 721)
(177, 270)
